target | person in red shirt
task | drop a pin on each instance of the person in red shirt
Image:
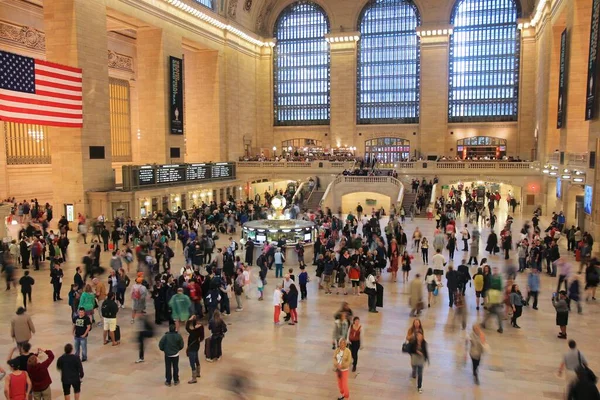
(18, 385)
(39, 375)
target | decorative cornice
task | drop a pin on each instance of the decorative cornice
(22, 36)
(120, 61)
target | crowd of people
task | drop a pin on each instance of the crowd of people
(352, 255)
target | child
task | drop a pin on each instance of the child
(260, 289)
(277, 300)
(246, 274)
(291, 272)
(303, 280)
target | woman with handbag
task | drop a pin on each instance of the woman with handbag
(406, 260)
(431, 283)
(418, 357)
(355, 339)
(342, 358)
(196, 331)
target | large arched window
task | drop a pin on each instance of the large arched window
(388, 63)
(301, 66)
(484, 61)
(205, 3)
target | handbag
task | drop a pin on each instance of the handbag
(590, 374)
(436, 291)
(286, 308)
(406, 347)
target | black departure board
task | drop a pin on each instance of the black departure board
(198, 172)
(222, 170)
(147, 176)
(159, 175)
(170, 174)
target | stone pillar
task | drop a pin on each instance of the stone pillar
(434, 95)
(526, 131)
(574, 139)
(77, 37)
(204, 130)
(154, 46)
(343, 88)
(4, 213)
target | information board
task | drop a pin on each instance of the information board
(136, 176)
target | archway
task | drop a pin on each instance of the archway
(368, 200)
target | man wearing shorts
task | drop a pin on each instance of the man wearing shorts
(109, 313)
(71, 372)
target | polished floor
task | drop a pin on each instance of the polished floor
(295, 362)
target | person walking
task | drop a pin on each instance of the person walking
(452, 284)
(279, 260)
(340, 328)
(371, 290)
(146, 332)
(71, 372)
(218, 328)
(476, 346)
(516, 303)
(584, 388)
(17, 384)
(533, 287)
(355, 340)
(21, 327)
(416, 296)
(478, 283)
(56, 278)
(138, 297)
(180, 305)
(292, 302)
(171, 344)
(418, 357)
(81, 329)
(26, 282)
(474, 252)
(572, 360)
(109, 314)
(562, 313)
(277, 300)
(342, 358)
(39, 375)
(196, 336)
(425, 250)
(432, 284)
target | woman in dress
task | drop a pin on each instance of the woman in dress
(406, 259)
(394, 254)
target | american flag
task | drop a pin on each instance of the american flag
(39, 92)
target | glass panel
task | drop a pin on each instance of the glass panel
(120, 119)
(388, 150)
(301, 66)
(388, 63)
(484, 61)
(205, 3)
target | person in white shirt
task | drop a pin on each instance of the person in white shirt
(371, 290)
(465, 238)
(438, 260)
(277, 299)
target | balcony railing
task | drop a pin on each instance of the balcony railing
(577, 160)
(445, 165)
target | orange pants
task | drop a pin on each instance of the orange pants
(276, 312)
(343, 384)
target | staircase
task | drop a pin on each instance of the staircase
(312, 203)
(409, 198)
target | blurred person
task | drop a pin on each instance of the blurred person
(71, 372)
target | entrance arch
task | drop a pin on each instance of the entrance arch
(481, 147)
(388, 149)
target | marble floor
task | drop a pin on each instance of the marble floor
(294, 362)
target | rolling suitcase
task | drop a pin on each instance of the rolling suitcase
(118, 334)
(207, 348)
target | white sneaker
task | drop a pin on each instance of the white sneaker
(141, 360)
(239, 309)
(420, 390)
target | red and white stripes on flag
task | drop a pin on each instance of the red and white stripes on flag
(39, 92)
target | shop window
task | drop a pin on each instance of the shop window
(388, 150)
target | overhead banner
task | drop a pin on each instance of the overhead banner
(562, 100)
(176, 95)
(590, 103)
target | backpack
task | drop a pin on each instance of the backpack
(136, 293)
(236, 246)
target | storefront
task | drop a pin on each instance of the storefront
(388, 149)
(481, 147)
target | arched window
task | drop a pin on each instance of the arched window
(301, 66)
(484, 61)
(388, 63)
(205, 3)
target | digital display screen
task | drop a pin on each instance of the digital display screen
(587, 199)
(558, 188)
(307, 237)
(222, 170)
(198, 172)
(146, 176)
(261, 238)
(170, 174)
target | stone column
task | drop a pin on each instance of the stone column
(154, 46)
(343, 88)
(77, 37)
(4, 213)
(526, 131)
(204, 130)
(433, 119)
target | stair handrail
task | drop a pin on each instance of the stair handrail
(309, 194)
